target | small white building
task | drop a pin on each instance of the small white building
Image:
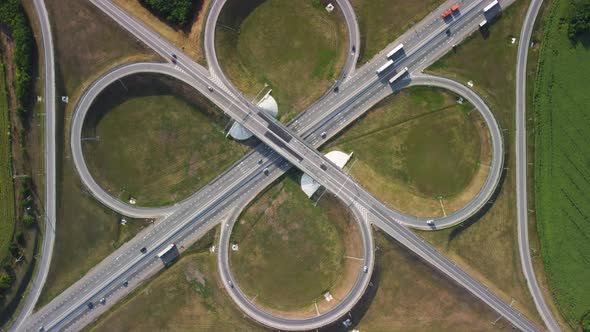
(268, 104)
(309, 185)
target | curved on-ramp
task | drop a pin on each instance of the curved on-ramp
(293, 324)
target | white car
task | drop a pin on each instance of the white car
(365, 269)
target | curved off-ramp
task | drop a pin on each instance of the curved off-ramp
(521, 169)
(50, 169)
(345, 7)
(496, 166)
(293, 324)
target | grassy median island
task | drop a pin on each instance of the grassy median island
(158, 140)
(294, 46)
(382, 21)
(291, 252)
(417, 150)
(562, 159)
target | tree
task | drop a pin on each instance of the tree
(5, 280)
(579, 19)
(28, 220)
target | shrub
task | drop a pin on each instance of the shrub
(5, 280)
(579, 19)
(28, 220)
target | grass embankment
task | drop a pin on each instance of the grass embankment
(185, 297)
(291, 252)
(7, 213)
(189, 38)
(382, 21)
(158, 140)
(418, 151)
(407, 295)
(295, 47)
(487, 246)
(562, 159)
(412, 296)
(86, 44)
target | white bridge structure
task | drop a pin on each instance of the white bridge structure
(309, 185)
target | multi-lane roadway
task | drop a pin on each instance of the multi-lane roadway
(341, 108)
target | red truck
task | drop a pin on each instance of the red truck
(454, 8)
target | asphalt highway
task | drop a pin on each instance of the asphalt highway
(298, 153)
(50, 215)
(521, 168)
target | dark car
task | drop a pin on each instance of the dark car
(143, 250)
(90, 305)
(173, 60)
(174, 56)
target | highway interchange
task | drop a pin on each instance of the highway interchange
(222, 200)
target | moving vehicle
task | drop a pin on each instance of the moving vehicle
(103, 300)
(399, 75)
(143, 250)
(385, 66)
(90, 305)
(365, 269)
(395, 50)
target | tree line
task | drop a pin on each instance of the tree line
(175, 12)
(579, 20)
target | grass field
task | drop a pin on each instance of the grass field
(291, 252)
(158, 140)
(190, 40)
(296, 48)
(487, 246)
(382, 21)
(395, 144)
(407, 295)
(185, 297)
(7, 213)
(562, 174)
(412, 296)
(86, 44)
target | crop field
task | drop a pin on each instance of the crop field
(295, 47)
(562, 159)
(418, 151)
(490, 62)
(156, 140)
(7, 213)
(291, 251)
(382, 21)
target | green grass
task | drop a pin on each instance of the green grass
(291, 251)
(562, 172)
(7, 213)
(413, 296)
(159, 141)
(397, 142)
(382, 21)
(86, 44)
(184, 297)
(296, 48)
(490, 62)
